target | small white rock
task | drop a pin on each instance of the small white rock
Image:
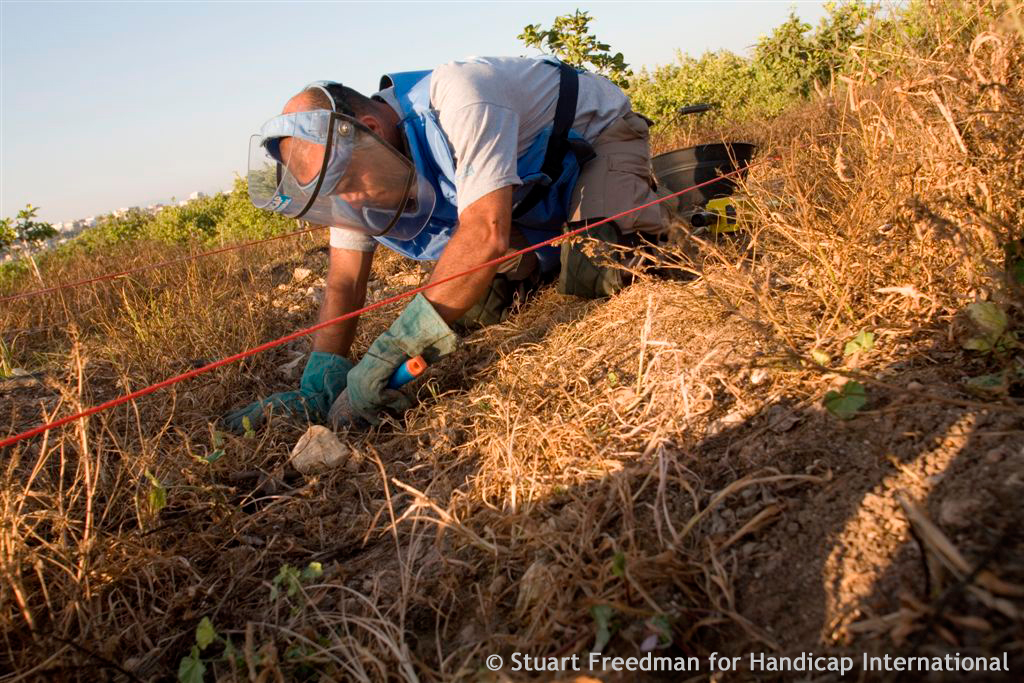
(721, 424)
(319, 450)
(300, 274)
(914, 386)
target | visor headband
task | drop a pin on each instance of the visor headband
(336, 94)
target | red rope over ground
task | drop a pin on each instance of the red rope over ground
(35, 431)
(149, 266)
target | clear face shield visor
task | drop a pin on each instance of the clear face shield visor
(330, 169)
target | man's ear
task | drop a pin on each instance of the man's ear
(384, 127)
(371, 122)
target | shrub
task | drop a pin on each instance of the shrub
(787, 66)
(111, 230)
(195, 221)
(243, 221)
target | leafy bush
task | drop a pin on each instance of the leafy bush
(221, 219)
(111, 230)
(243, 221)
(722, 78)
(25, 229)
(570, 40)
(13, 273)
(787, 66)
(195, 221)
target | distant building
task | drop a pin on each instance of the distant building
(197, 195)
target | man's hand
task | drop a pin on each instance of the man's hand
(323, 380)
(482, 235)
(327, 370)
(418, 331)
(422, 328)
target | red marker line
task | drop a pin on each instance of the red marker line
(35, 431)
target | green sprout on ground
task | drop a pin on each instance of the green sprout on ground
(247, 426)
(820, 357)
(289, 579)
(864, 341)
(604, 621)
(218, 445)
(992, 326)
(157, 496)
(845, 403)
(192, 668)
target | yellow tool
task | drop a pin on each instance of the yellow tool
(722, 215)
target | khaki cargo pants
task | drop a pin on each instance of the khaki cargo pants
(617, 179)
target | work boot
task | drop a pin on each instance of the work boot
(591, 263)
(609, 261)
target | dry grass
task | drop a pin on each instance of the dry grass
(624, 453)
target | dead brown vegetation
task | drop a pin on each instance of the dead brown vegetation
(663, 454)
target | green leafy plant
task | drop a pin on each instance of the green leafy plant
(192, 668)
(570, 39)
(845, 403)
(240, 220)
(7, 233)
(157, 495)
(1013, 263)
(110, 230)
(992, 327)
(998, 383)
(25, 229)
(218, 445)
(864, 341)
(988, 385)
(12, 273)
(205, 633)
(619, 565)
(247, 426)
(289, 579)
(786, 67)
(604, 622)
(195, 221)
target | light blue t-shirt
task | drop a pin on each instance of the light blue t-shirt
(491, 109)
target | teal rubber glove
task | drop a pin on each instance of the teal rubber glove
(419, 330)
(322, 381)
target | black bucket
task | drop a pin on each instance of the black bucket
(685, 168)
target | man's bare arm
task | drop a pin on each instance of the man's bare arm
(347, 275)
(482, 235)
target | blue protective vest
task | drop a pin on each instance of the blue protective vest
(430, 151)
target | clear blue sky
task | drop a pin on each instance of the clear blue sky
(111, 104)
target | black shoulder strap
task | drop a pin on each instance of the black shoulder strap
(558, 143)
